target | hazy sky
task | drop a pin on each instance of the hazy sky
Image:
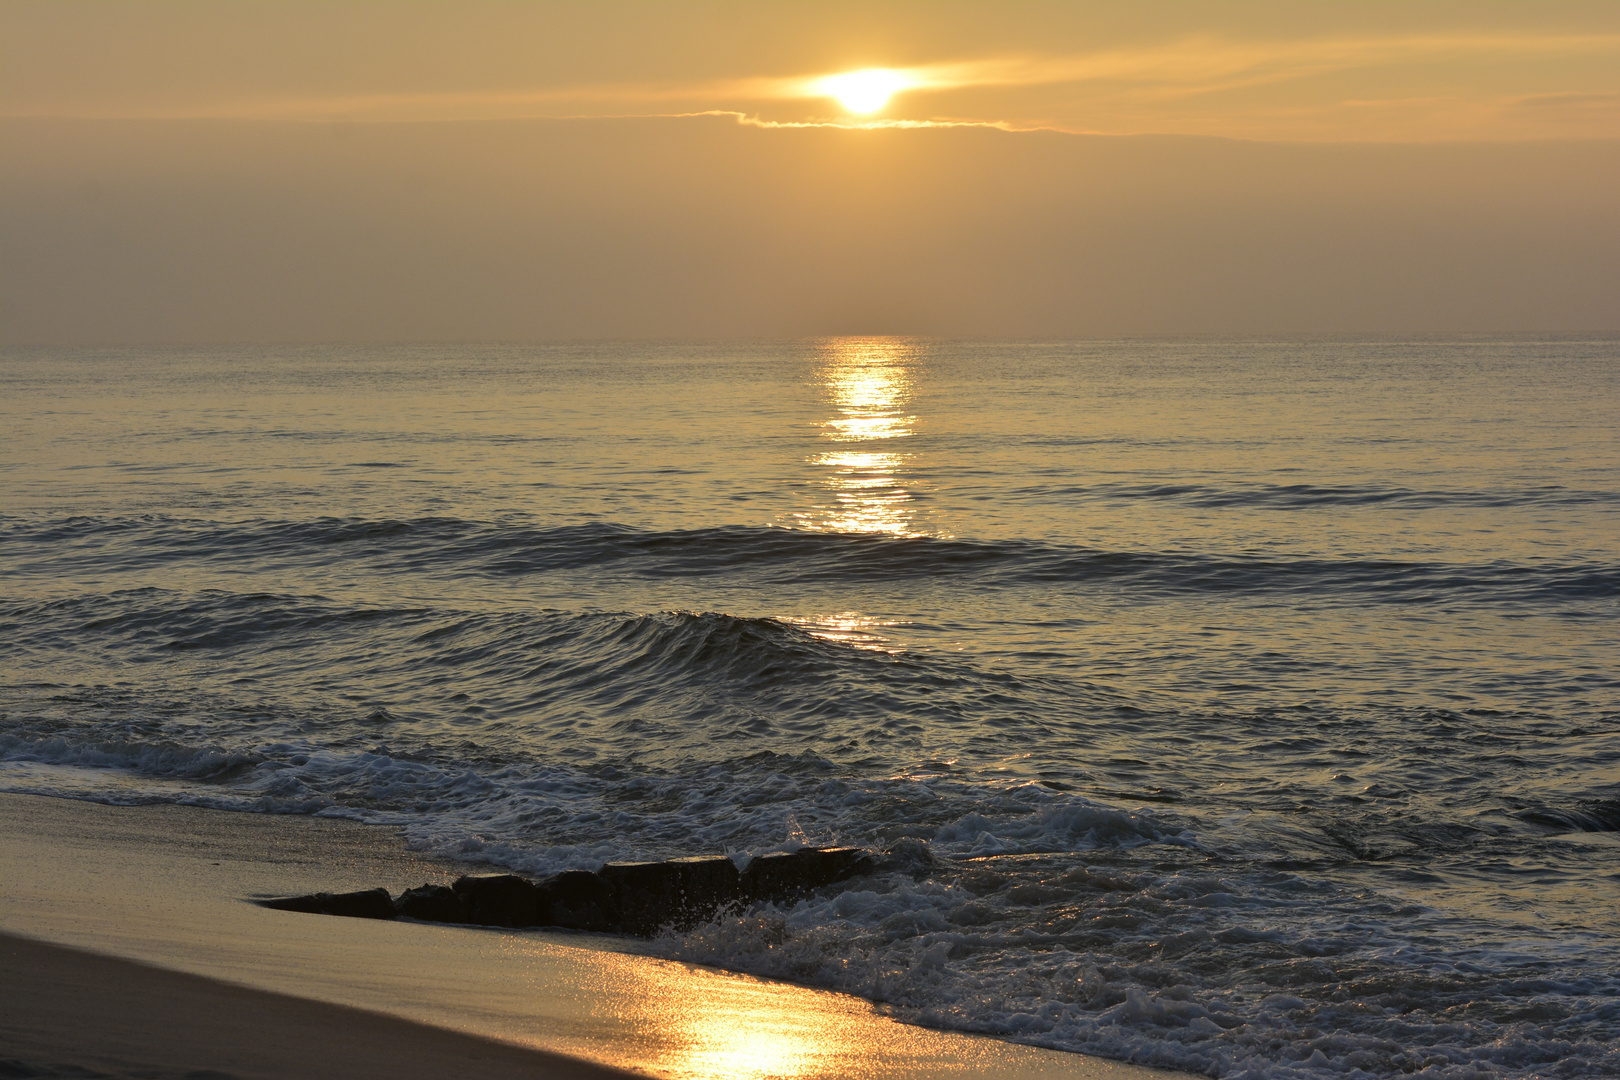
(396, 171)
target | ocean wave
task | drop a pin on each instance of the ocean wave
(518, 813)
(163, 759)
(1262, 496)
(1590, 815)
(1066, 825)
(663, 684)
(771, 556)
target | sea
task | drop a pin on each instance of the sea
(1247, 707)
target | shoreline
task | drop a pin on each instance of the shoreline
(163, 888)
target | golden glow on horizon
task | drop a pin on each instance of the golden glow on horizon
(863, 92)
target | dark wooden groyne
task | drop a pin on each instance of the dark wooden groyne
(638, 898)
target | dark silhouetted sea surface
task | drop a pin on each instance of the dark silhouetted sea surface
(1257, 702)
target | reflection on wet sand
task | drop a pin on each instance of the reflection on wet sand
(869, 382)
(686, 1022)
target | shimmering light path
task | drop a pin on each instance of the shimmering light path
(868, 383)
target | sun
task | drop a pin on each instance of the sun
(863, 91)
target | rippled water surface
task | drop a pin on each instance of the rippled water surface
(1247, 707)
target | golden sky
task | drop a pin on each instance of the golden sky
(354, 170)
(1284, 69)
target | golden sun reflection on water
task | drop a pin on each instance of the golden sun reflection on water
(850, 628)
(869, 384)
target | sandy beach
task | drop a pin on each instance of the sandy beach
(68, 1009)
(130, 948)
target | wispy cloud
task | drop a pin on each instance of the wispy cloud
(859, 123)
(1570, 101)
(1200, 64)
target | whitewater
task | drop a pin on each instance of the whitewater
(1245, 707)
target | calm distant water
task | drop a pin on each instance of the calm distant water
(1258, 701)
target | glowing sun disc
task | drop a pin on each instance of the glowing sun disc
(864, 91)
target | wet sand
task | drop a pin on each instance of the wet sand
(167, 887)
(69, 1010)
